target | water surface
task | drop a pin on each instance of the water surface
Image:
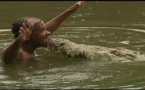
(106, 24)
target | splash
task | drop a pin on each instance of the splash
(94, 52)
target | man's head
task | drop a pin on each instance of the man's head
(39, 33)
(18, 23)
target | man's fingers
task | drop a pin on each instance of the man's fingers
(22, 29)
(31, 26)
(24, 26)
(80, 3)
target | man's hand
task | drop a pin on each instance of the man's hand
(24, 32)
(76, 6)
(80, 3)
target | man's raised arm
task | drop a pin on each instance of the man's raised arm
(11, 52)
(54, 23)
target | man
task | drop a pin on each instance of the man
(31, 33)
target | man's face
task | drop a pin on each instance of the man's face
(39, 33)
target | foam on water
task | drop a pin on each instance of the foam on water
(4, 30)
(94, 52)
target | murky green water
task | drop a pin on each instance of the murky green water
(106, 24)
